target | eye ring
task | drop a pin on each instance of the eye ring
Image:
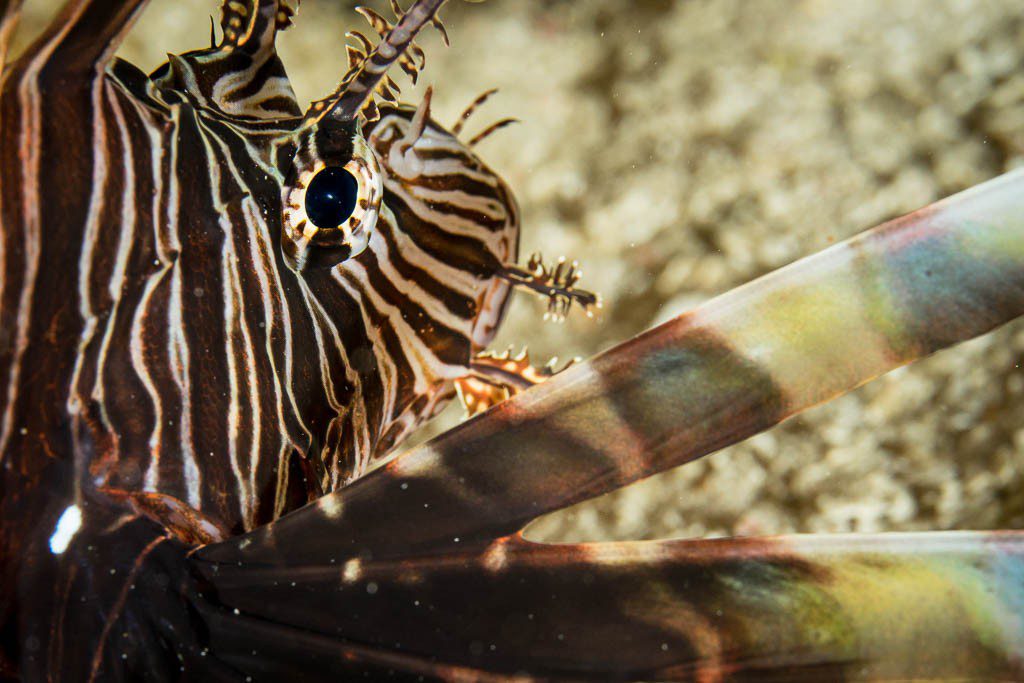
(331, 197)
(330, 205)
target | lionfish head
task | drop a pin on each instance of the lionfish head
(330, 182)
(263, 340)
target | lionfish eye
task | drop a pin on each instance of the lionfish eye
(331, 197)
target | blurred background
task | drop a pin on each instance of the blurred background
(681, 148)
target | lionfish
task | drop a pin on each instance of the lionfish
(218, 311)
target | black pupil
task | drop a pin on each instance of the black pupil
(331, 197)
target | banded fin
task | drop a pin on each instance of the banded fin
(733, 367)
(791, 608)
(442, 524)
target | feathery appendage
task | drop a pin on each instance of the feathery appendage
(556, 284)
(449, 533)
(366, 75)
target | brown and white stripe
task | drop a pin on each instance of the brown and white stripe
(186, 356)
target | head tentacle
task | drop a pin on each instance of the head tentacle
(356, 92)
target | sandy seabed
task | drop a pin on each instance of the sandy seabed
(678, 149)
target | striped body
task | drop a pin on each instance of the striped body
(187, 353)
(163, 367)
(205, 368)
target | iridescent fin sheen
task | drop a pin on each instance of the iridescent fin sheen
(740, 364)
(435, 521)
(923, 606)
